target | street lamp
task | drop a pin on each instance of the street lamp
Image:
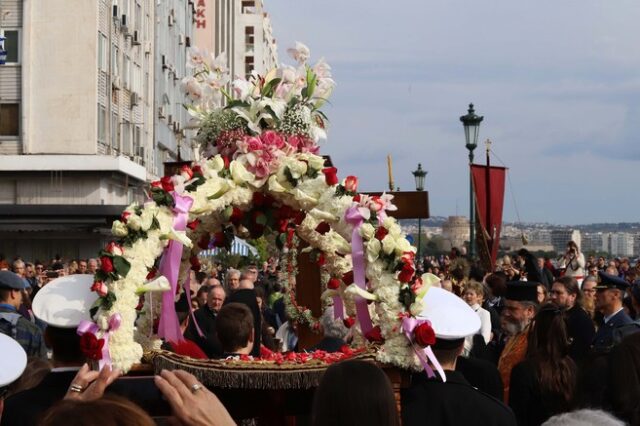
(419, 175)
(471, 123)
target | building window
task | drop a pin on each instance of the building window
(12, 46)
(126, 71)
(115, 132)
(137, 136)
(102, 52)
(248, 66)
(115, 68)
(248, 6)
(249, 37)
(102, 121)
(126, 137)
(9, 119)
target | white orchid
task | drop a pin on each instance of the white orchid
(299, 53)
(196, 58)
(192, 88)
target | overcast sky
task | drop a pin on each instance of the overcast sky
(558, 84)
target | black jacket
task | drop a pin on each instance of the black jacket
(209, 343)
(603, 340)
(581, 332)
(456, 402)
(482, 375)
(25, 408)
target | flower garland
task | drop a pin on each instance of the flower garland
(260, 172)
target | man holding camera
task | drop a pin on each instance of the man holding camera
(573, 262)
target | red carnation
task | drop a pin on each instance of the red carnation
(330, 175)
(351, 184)
(381, 233)
(424, 335)
(193, 224)
(349, 322)
(374, 335)
(347, 278)
(323, 228)
(333, 284)
(124, 216)
(406, 273)
(167, 184)
(91, 346)
(106, 264)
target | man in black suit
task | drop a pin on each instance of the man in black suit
(450, 400)
(566, 293)
(206, 319)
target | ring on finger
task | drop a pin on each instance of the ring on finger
(195, 387)
(76, 388)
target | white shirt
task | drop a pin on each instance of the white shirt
(485, 328)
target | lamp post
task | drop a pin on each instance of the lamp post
(419, 175)
(471, 123)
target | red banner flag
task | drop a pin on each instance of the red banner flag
(488, 184)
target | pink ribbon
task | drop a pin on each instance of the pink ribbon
(424, 354)
(115, 321)
(169, 326)
(355, 219)
(187, 290)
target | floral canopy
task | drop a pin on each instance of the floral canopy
(260, 172)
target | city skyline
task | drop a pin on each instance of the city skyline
(559, 104)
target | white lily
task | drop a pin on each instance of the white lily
(353, 290)
(299, 53)
(195, 57)
(179, 236)
(159, 284)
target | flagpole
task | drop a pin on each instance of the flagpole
(488, 222)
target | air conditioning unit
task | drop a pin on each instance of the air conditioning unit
(134, 98)
(172, 19)
(123, 24)
(170, 120)
(162, 112)
(187, 41)
(115, 11)
(115, 82)
(176, 127)
(181, 39)
(165, 64)
(135, 41)
(141, 151)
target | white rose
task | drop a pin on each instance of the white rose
(119, 229)
(239, 173)
(389, 222)
(134, 222)
(373, 250)
(297, 169)
(275, 186)
(146, 219)
(403, 245)
(388, 244)
(216, 163)
(367, 231)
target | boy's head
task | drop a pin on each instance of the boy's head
(234, 325)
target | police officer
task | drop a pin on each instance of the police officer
(609, 294)
(13, 323)
(454, 401)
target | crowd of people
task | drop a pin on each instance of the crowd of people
(557, 345)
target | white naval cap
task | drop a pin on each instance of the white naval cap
(65, 301)
(14, 360)
(451, 318)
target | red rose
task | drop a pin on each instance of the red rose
(167, 184)
(330, 175)
(333, 284)
(106, 264)
(91, 346)
(197, 170)
(356, 198)
(124, 216)
(187, 172)
(351, 184)
(193, 224)
(374, 335)
(114, 249)
(348, 278)
(226, 161)
(219, 239)
(236, 216)
(323, 228)
(100, 287)
(203, 242)
(321, 260)
(282, 225)
(195, 263)
(349, 322)
(406, 273)
(156, 184)
(424, 335)
(381, 232)
(408, 256)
